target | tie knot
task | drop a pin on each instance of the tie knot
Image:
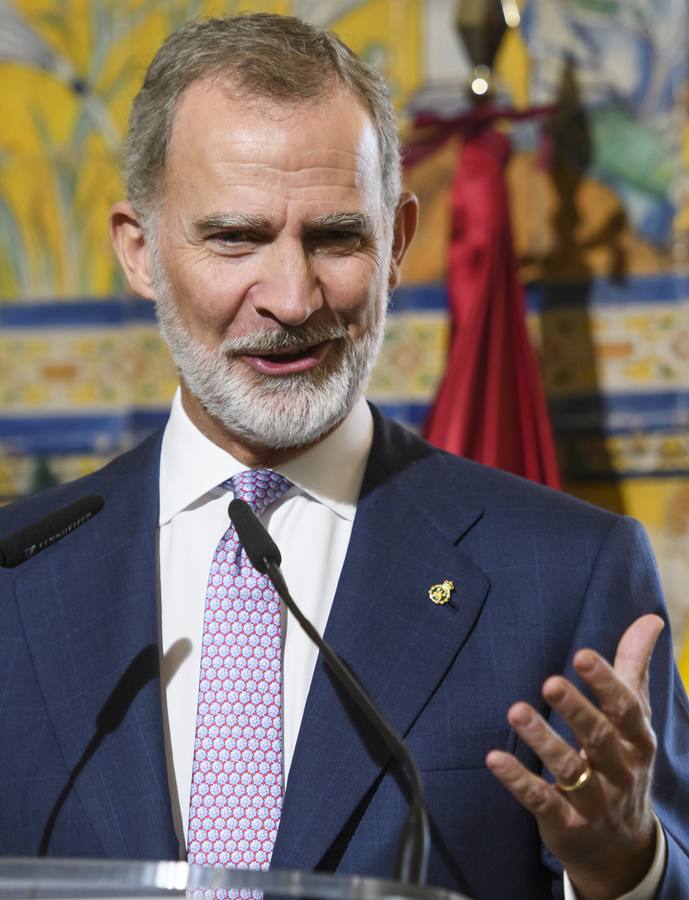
(259, 487)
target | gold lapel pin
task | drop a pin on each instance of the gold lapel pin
(441, 594)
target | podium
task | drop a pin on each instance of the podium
(88, 879)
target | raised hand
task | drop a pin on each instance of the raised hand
(597, 819)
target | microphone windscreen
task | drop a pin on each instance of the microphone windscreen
(25, 543)
(257, 543)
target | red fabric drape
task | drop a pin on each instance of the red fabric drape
(490, 406)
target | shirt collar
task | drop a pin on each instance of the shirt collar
(192, 466)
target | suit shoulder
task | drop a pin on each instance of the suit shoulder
(105, 481)
(448, 479)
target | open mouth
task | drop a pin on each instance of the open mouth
(280, 362)
(288, 356)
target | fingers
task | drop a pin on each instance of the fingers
(622, 691)
(540, 798)
(592, 730)
(596, 730)
(616, 738)
(626, 709)
(562, 761)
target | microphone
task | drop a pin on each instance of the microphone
(414, 841)
(27, 542)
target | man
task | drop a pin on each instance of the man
(264, 217)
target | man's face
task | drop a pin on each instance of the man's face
(272, 261)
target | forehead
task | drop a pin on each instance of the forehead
(263, 151)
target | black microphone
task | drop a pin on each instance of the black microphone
(28, 541)
(414, 841)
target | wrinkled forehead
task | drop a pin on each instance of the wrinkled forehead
(216, 124)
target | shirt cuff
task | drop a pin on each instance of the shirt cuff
(646, 889)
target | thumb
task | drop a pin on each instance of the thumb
(635, 649)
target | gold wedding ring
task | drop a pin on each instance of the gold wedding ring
(581, 781)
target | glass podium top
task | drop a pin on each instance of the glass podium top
(80, 879)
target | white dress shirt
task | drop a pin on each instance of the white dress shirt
(311, 524)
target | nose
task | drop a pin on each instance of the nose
(289, 289)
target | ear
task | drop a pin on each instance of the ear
(403, 230)
(129, 243)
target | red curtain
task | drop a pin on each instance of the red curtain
(490, 406)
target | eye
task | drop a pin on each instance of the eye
(233, 237)
(239, 242)
(344, 236)
(338, 240)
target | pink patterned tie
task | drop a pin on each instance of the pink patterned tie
(236, 786)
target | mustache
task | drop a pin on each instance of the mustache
(287, 337)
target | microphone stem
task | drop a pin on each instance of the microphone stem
(415, 838)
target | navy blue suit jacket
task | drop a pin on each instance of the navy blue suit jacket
(537, 574)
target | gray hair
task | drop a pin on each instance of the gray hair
(262, 55)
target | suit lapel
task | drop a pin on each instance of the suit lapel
(88, 607)
(384, 625)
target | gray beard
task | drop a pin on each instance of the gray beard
(277, 411)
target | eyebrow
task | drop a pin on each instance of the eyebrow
(346, 221)
(230, 222)
(349, 221)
